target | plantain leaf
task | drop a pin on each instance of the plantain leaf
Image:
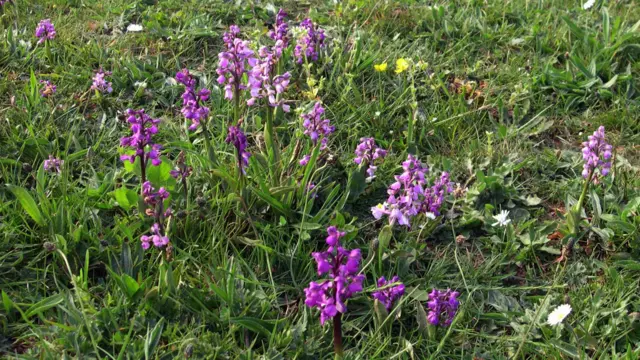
(28, 204)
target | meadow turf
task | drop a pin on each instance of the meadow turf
(501, 94)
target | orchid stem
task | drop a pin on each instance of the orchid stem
(337, 335)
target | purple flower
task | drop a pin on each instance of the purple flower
(157, 238)
(310, 43)
(143, 127)
(305, 160)
(233, 62)
(48, 89)
(596, 154)
(366, 153)
(410, 194)
(443, 306)
(342, 267)
(317, 127)
(183, 171)
(100, 84)
(388, 293)
(45, 31)
(263, 84)
(192, 100)
(155, 208)
(280, 33)
(239, 141)
(53, 164)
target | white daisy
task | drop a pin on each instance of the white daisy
(588, 4)
(502, 218)
(558, 315)
(134, 28)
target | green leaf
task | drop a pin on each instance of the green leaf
(130, 285)
(28, 204)
(565, 348)
(256, 325)
(421, 317)
(380, 311)
(126, 198)
(44, 305)
(152, 339)
(533, 201)
(8, 304)
(384, 238)
(357, 183)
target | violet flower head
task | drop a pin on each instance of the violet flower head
(310, 43)
(239, 141)
(317, 127)
(366, 153)
(48, 89)
(233, 62)
(99, 82)
(143, 127)
(410, 194)
(45, 31)
(342, 267)
(264, 85)
(596, 154)
(156, 238)
(183, 171)
(53, 164)
(388, 293)
(155, 208)
(193, 101)
(280, 33)
(443, 306)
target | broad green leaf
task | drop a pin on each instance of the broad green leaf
(44, 305)
(28, 204)
(126, 198)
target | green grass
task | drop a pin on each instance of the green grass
(542, 76)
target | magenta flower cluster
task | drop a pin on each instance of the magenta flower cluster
(443, 306)
(143, 127)
(388, 293)
(366, 154)
(263, 84)
(45, 31)
(596, 154)
(53, 164)
(316, 126)
(233, 62)
(99, 82)
(280, 34)
(342, 267)
(48, 88)
(239, 141)
(155, 208)
(410, 194)
(193, 101)
(310, 43)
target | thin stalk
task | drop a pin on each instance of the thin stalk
(337, 335)
(207, 143)
(143, 170)
(269, 139)
(583, 195)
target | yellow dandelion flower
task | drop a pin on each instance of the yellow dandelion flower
(401, 65)
(380, 67)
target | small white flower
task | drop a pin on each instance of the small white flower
(140, 84)
(431, 215)
(502, 218)
(588, 4)
(134, 28)
(25, 44)
(558, 315)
